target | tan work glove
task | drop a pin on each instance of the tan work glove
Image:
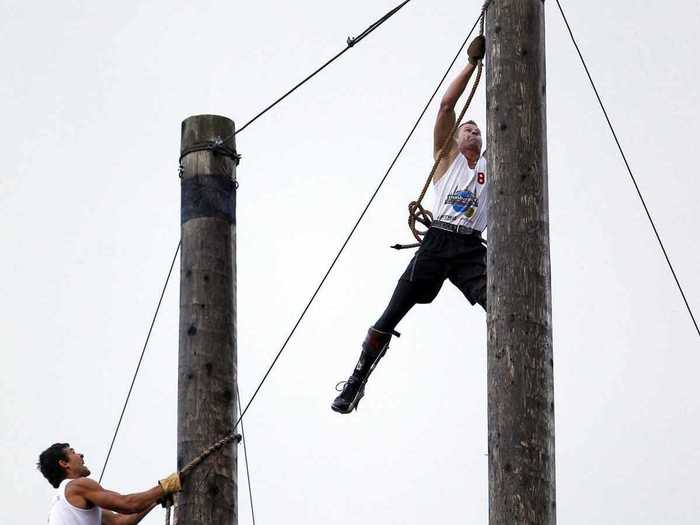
(171, 484)
(477, 49)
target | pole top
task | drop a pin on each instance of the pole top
(199, 129)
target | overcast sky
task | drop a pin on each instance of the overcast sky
(92, 97)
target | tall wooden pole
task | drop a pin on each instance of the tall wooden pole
(520, 367)
(207, 356)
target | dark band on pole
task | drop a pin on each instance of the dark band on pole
(208, 196)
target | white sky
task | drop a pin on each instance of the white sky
(92, 98)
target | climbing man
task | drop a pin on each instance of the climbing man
(82, 501)
(452, 247)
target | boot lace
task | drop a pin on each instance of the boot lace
(341, 385)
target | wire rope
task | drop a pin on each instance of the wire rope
(138, 366)
(245, 455)
(629, 170)
(351, 42)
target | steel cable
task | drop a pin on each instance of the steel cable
(138, 366)
(629, 170)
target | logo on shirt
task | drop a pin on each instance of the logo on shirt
(463, 201)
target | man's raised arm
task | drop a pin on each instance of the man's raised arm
(446, 114)
(135, 503)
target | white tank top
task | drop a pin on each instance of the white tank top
(461, 194)
(63, 513)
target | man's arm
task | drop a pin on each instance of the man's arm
(112, 518)
(446, 114)
(94, 493)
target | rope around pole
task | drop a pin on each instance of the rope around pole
(233, 435)
(416, 212)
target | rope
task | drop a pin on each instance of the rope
(351, 41)
(416, 212)
(629, 170)
(233, 435)
(138, 366)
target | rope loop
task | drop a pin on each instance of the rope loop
(418, 214)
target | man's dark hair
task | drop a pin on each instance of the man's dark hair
(469, 122)
(48, 463)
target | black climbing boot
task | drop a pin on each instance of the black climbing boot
(374, 347)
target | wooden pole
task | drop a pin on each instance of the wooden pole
(207, 355)
(520, 366)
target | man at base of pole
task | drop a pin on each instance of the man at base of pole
(452, 248)
(80, 500)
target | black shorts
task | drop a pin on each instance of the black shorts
(447, 255)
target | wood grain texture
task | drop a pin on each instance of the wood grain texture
(520, 366)
(207, 353)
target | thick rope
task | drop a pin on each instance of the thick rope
(416, 212)
(233, 436)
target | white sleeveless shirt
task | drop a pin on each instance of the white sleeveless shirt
(461, 194)
(63, 513)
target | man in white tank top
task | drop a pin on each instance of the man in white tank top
(80, 500)
(452, 248)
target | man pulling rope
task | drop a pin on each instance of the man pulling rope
(452, 247)
(80, 500)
